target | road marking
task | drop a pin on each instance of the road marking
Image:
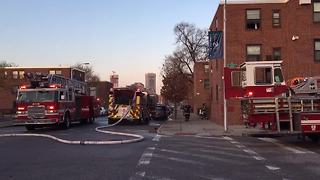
(234, 142)
(156, 138)
(142, 174)
(227, 138)
(146, 156)
(259, 158)
(272, 168)
(240, 146)
(249, 151)
(294, 150)
(179, 159)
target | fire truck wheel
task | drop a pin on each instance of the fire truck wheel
(66, 122)
(30, 127)
(91, 120)
(314, 137)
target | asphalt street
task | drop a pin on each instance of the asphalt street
(157, 157)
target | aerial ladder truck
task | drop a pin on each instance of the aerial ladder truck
(267, 100)
(53, 100)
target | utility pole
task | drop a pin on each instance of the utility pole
(225, 123)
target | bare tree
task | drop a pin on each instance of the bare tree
(6, 64)
(90, 76)
(177, 69)
(192, 41)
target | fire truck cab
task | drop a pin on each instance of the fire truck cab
(267, 100)
(53, 99)
(255, 79)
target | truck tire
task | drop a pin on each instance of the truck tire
(111, 121)
(66, 121)
(30, 127)
(91, 120)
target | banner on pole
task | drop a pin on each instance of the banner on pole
(215, 45)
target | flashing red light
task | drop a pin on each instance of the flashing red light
(51, 107)
(23, 87)
(250, 93)
(53, 86)
(98, 99)
(21, 108)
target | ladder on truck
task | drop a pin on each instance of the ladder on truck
(40, 80)
(78, 86)
(285, 109)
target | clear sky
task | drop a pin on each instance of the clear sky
(130, 37)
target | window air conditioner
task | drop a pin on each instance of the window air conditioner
(302, 2)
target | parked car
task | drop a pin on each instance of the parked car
(161, 112)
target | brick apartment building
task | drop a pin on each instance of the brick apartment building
(13, 77)
(201, 85)
(100, 90)
(263, 30)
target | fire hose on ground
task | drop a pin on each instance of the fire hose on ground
(136, 138)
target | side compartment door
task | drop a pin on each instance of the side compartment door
(232, 80)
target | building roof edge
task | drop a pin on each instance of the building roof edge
(253, 1)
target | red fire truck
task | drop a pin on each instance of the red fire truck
(266, 99)
(53, 100)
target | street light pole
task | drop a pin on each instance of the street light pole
(225, 123)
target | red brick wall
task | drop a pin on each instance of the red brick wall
(201, 95)
(298, 56)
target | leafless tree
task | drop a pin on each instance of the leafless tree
(90, 76)
(177, 69)
(192, 41)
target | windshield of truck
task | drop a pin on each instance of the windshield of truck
(123, 97)
(278, 78)
(36, 96)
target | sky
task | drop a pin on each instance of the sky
(130, 37)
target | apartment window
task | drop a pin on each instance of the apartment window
(317, 50)
(206, 68)
(5, 74)
(253, 52)
(206, 83)
(52, 72)
(263, 75)
(236, 78)
(276, 53)
(15, 74)
(253, 19)
(58, 72)
(21, 74)
(276, 18)
(316, 11)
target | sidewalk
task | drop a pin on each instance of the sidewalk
(6, 120)
(197, 126)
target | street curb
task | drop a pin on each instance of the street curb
(159, 129)
(5, 124)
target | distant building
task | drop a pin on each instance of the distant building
(100, 90)
(150, 79)
(114, 79)
(12, 78)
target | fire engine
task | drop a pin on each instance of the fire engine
(52, 100)
(119, 101)
(266, 99)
